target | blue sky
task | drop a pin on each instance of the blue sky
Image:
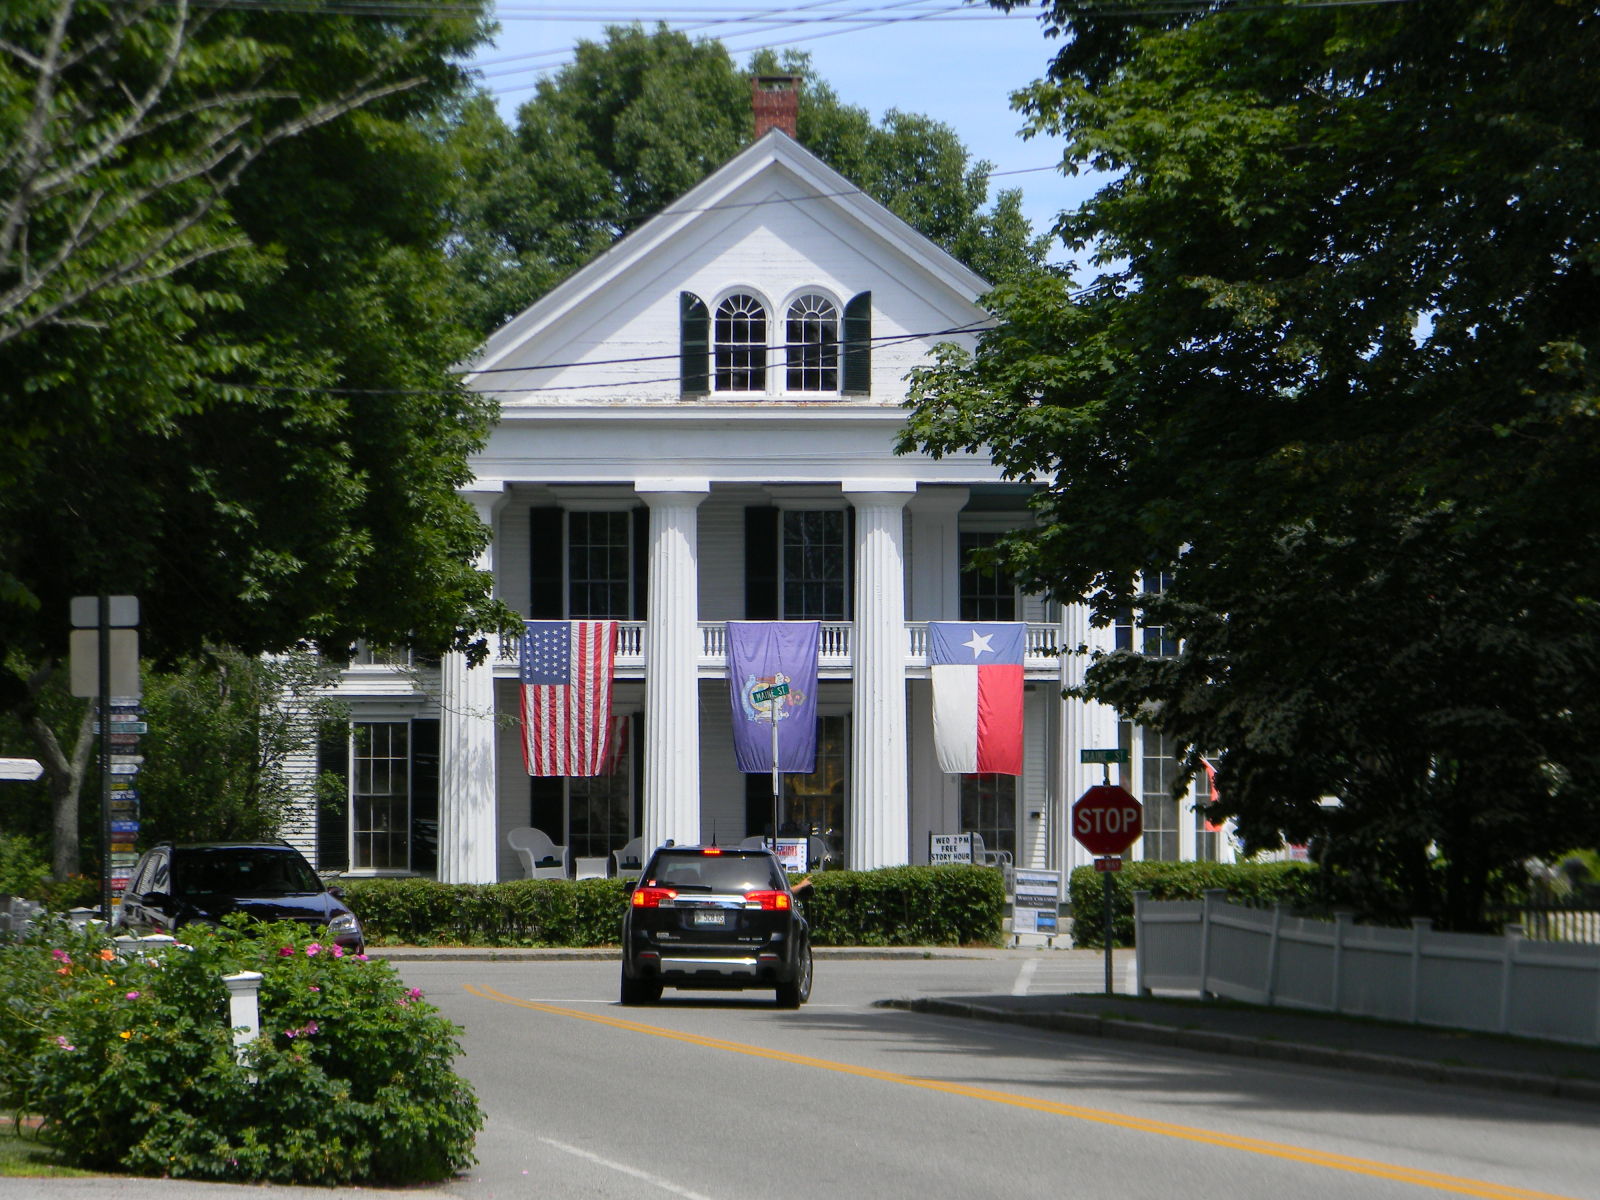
(953, 62)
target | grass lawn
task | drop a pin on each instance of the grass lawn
(22, 1154)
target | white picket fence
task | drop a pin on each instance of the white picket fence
(1463, 981)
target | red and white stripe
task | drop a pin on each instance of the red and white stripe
(566, 728)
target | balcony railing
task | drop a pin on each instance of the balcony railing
(835, 656)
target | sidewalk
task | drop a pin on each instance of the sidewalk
(1312, 1039)
(1210, 1027)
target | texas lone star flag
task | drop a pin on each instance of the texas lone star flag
(977, 695)
(566, 695)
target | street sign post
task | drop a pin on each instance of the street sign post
(770, 697)
(1106, 820)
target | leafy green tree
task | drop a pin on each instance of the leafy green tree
(226, 337)
(1334, 385)
(637, 120)
(224, 730)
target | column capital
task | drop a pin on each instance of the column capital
(486, 496)
(894, 493)
(940, 501)
(672, 491)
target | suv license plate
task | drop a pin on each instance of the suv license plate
(710, 916)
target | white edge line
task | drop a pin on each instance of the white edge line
(654, 1180)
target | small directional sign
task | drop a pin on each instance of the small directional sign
(762, 695)
(1102, 756)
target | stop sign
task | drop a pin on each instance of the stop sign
(1107, 819)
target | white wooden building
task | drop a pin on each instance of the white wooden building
(698, 427)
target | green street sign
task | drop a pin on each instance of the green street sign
(771, 693)
(1102, 756)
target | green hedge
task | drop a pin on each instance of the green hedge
(896, 906)
(1257, 884)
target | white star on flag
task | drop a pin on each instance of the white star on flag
(980, 643)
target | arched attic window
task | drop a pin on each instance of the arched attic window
(739, 345)
(811, 335)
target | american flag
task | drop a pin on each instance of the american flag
(566, 695)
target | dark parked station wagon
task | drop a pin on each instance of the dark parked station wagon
(174, 885)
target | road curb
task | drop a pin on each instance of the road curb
(1119, 1029)
(402, 954)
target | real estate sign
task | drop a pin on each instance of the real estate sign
(1037, 903)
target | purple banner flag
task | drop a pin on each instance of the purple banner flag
(762, 656)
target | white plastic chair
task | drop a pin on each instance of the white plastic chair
(984, 857)
(629, 861)
(541, 857)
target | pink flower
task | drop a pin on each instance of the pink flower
(63, 1043)
(414, 993)
(313, 950)
(285, 951)
(338, 951)
(61, 956)
(133, 995)
(362, 958)
(315, 988)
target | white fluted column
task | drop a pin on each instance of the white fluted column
(935, 595)
(468, 829)
(672, 663)
(879, 818)
(1084, 726)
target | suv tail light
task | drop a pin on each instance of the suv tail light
(768, 899)
(652, 897)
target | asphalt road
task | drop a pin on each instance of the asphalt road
(709, 1097)
(718, 1097)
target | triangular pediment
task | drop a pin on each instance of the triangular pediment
(772, 215)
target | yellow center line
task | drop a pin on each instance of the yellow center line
(1299, 1154)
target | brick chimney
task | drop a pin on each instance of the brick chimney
(775, 100)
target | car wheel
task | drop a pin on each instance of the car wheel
(639, 991)
(793, 995)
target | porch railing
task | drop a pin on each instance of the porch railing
(836, 652)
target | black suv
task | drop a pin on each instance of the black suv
(176, 885)
(714, 917)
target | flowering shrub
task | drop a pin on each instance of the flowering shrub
(131, 1066)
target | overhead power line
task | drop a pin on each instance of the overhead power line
(888, 339)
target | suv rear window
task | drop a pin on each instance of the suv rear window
(693, 871)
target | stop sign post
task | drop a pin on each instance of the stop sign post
(1106, 820)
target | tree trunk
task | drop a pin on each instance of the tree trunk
(63, 776)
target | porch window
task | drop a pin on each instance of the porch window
(989, 809)
(987, 593)
(380, 796)
(599, 557)
(815, 565)
(812, 805)
(600, 807)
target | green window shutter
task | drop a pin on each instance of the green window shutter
(641, 563)
(760, 563)
(547, 553)
(694, 346)
(858, 346)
